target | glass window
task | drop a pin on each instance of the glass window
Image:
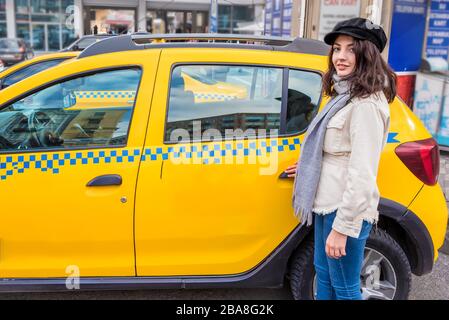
(23, 31)
(68, 36)
(43, 23)
(81, 112)
(224, 19)
(29, 71)
(238, 101)
(3, 32)
(45, 6)
(45, 18)
(304, 91)
(3, 10)
(54, 40)
(84, 43)
(22, 6)
(38, 42)
(224, 98)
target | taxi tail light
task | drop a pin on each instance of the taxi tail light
(422, 158)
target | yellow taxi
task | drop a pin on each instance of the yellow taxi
(114, 174)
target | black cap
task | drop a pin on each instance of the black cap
(359, 28)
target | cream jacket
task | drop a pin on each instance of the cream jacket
(353, 143)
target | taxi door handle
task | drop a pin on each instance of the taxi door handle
(283, 175)
(105, 180)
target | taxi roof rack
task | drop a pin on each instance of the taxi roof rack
(140, 41)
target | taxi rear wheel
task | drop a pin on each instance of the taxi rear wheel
(385, 274)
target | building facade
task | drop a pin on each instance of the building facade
(50, 25)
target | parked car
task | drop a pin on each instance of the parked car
(14, 50)
(2, 66)
(113, 172)
(85, 41)
(30, 67)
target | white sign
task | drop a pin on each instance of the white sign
(428, 97)
(334, 11)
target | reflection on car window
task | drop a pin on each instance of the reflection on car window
(84, 43)
(238, 101)
(304, 90)
(82, 112)
(29, 71)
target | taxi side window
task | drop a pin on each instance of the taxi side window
(89, 111)
(304, 92)
(29, 71)
(222, 102)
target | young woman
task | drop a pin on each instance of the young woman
(335, 176)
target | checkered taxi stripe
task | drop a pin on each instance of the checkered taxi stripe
(209, 97)
(211, 153)
(104, 94)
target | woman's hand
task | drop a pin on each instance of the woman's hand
(291, 171)
(336, 244)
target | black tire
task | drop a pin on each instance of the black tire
(302, 271)
(382, 242)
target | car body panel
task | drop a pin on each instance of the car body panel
(88, 230)
(196, 222)
(430, 207)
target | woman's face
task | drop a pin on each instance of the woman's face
(343, 56)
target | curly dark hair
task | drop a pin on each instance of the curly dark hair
(371, 73)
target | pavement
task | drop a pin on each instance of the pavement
(433, 286)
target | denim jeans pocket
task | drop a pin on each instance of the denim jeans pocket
(366, 229)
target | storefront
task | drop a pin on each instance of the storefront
(110, 20)
(186, 16)
(44, 24)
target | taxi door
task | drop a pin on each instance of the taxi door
(206, 206)
(69, 156)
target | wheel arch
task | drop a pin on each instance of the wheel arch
(410, 233)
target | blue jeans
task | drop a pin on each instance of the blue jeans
(338, 279)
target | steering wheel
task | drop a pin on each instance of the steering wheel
(39, 125)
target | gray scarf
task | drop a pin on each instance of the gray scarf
(308, 169)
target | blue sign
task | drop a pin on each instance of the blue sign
(276, 18)
(438, 32)
(287, 17)
(407, 34)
